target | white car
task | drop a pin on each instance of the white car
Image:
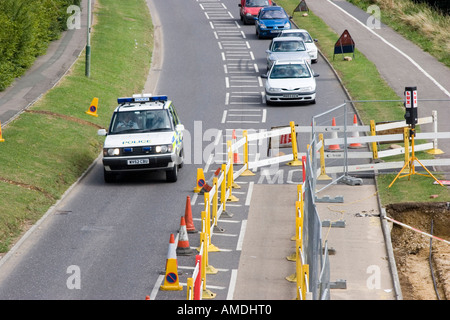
(307, 39)
(290, 81)
(286, 48)
(145, 134)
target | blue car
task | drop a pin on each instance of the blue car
(271, 21)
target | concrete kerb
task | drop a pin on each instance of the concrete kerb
(390, 251)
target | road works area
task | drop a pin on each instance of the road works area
(414, 254)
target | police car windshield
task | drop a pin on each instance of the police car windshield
(140, 121)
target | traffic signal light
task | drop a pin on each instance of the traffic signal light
(411, 105)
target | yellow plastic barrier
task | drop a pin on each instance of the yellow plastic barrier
(301, 275)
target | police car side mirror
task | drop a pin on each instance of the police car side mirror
(316, 75)
(179, 127)
(264, 76)
(101, 132)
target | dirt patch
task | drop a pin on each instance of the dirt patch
(412, 249)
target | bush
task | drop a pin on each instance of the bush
(27, 28)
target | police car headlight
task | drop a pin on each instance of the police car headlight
(163, 148)
(111, 152)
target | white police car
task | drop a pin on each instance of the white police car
(145, 134)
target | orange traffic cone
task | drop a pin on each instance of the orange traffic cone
(188, 217)
(355, 134)
(235, 154)
(171, 280)
(333, 147)
(147, 297)
(183, 248)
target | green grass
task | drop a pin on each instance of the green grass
(363, 82)
(417, 22)
(43, 154)
(360, 76)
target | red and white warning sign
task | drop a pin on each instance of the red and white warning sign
(411, 101)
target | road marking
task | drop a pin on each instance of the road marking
(232, 284)
(249, 194)
(241, 236)
(155, 290)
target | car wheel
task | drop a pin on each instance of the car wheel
(172, 175)
(109, 177)
(182, 161)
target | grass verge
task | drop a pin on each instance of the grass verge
(363, 82)
(418, 22)
(47, 149)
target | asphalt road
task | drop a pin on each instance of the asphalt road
(115, 237)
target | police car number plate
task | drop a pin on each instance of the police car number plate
(138, 161)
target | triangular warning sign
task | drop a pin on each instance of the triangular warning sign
(345, 44)
(301, 7)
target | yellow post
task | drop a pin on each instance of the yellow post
(207, 211)
(305, 279)
(1, 138)
(323, 175)
(206, 293)
(406, 140)
(294, 162)
(374, 144)
(190, 289)
(247, 172)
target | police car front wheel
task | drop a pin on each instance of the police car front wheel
(172, 175)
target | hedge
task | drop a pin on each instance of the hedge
(27, 27)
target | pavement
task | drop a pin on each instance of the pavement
(361, 253)
(45, 73)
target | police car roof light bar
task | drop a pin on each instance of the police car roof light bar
(141, 99)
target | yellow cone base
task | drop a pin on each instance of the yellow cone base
(292, 257)
(207, 294)
(323, 177)
(292, 277)
(91, 114)
(247, 173)
(213, 248)
(295, 163)
(211, 270)
(432, 151)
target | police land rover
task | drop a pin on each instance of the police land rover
(145, 134)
